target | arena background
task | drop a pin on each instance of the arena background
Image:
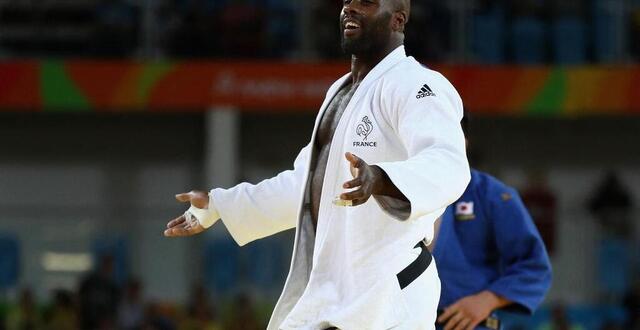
(109, 108)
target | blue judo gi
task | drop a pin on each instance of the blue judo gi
(488, 241)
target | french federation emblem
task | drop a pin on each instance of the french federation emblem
(364, 128)
(464, 211)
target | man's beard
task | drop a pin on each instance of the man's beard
(373, 36)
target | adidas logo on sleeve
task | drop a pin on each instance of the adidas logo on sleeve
(425, 91)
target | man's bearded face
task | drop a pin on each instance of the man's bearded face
(363, 34)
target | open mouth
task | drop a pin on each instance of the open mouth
(351, 27)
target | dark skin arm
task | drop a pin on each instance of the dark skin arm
(469, 311)
(368, 180)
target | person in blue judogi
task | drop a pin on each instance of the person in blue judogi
(489, 256)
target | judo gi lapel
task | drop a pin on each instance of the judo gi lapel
(333, 90)
(335, 151)
(387, 63)
(380, 69)
(299, 268)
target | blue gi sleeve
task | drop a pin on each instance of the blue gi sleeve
(525, 267)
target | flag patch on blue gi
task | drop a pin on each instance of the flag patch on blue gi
(464, 211)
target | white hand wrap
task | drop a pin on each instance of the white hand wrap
(205, 217)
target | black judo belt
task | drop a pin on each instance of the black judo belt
(416, 268)
(413, 271)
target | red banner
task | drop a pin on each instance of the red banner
(106, 86)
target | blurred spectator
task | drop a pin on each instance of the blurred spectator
(428, 34)
(131, 309)
(607, 26)
(200, 313)
(282, 27)
(634, 33)
(243, 315)
(568, 8)
(632, 306)
(157, 318)
(489, 19)
(559, 320)
(25, 315)
(191, 30)
(542, 204)
(244, 25)
(232, 29)
(98, 296)
(326, 28)
(612, 205)
(528, 40)
(569, 31)
(62, 315)
(612, 326)
(116, 28)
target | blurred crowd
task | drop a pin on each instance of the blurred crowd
(100, 304)
(617, 252)
(57, 28)
(476, 31)
(230, 28)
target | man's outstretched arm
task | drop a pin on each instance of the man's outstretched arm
(248, 211)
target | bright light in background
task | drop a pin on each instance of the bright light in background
(66, 262)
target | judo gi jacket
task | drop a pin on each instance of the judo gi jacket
(488, 241)
(405, 119)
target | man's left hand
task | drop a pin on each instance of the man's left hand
(469, 311)
(367, 180)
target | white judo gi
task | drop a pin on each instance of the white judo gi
(405, 119)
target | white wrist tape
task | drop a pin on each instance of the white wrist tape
(206, 217)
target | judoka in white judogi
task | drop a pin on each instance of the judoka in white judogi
(350, 264)
(405, 119)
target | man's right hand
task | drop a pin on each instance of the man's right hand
(188, 226)
(472, 310)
